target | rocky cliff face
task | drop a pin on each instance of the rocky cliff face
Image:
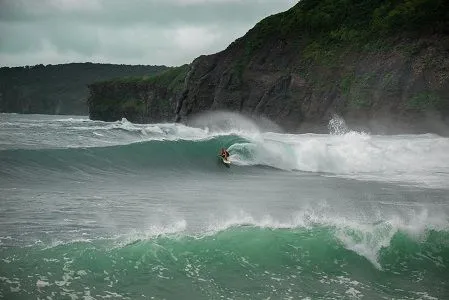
(404, 88)
(140, 100)
(382, 65)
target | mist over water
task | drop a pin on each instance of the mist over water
(134, 211)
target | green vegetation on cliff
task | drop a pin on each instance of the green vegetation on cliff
(58, 89)
(137, 98)
(323, 26)
(171, 77)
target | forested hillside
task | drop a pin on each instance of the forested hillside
(58, 89)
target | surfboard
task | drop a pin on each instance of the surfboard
(226, 162)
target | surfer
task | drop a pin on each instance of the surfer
(224, 153)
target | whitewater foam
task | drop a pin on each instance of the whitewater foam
(419, 159)
(405, 159)
(365, 239)
(177, 227)
(82, 133)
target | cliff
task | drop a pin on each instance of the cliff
(139, 99)
(382, 65)
(58, 89)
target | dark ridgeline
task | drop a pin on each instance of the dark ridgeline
(382, 65)
(58, 89)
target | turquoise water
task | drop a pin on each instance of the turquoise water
(96, 210)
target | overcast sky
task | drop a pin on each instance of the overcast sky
(153, 32)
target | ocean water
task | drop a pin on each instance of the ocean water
(96, 210)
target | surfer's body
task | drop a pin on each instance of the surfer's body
(224, 154)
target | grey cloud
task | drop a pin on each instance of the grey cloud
(170, 32)
(144, 11)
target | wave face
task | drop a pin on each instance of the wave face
(149, 155)
(239, 262)
(97, 210)
(80, 144)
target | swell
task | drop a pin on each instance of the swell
(286, 261)
(149, 155)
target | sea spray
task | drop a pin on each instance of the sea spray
(119, 210)
(337, 125)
